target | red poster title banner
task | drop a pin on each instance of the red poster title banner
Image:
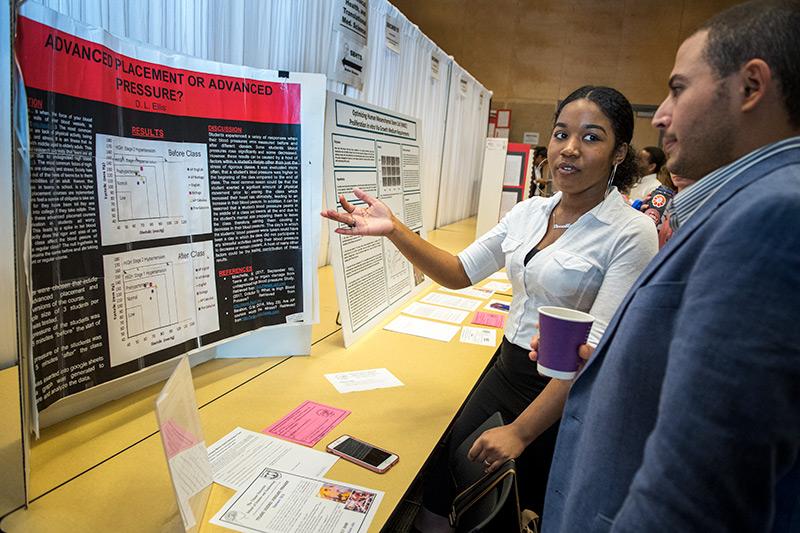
(59, 62)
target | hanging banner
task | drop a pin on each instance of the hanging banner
(435, 66)
(353, 19)
(378, 151)
(170, 201)
(392, 34)
(463, 86)
(349, 42)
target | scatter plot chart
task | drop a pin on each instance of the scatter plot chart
(151, 189)
(158, 298)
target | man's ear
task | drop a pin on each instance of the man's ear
(755, 77)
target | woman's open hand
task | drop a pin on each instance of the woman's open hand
(376, 219)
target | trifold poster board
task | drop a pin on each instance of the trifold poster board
(174, 205)
(378, 151)
(506, 173)
(516, 176)
(494, 163)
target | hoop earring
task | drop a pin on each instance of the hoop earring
(611, 179)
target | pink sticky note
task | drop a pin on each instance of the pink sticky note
(307, 423)
(489, 319)
(176, 438)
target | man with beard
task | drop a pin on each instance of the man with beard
(700, 431)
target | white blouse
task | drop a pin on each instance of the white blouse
(589, 268)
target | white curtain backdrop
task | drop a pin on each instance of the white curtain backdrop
(403, 82)
(295, 35)
(467, 117)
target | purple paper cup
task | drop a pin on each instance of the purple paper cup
(561, 332)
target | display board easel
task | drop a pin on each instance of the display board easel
(378, 151)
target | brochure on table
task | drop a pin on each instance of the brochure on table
(378, 151)
(174, 206)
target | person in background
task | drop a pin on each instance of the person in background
(651, 158)
(665, 229)
(656, 203)
(541, 173)
(665, 179)
(700, 431)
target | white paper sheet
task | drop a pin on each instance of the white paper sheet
(513, 170)
(482, 336)
(503, 118)
(499, 275)
(422, 328)
(498, 286)
(475, 292)
(445, 314)
(190, 475)
(451, 301)
(238, 457)
(280, 501)
(507, 201)
(361, 380)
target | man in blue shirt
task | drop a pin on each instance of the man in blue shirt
(687, 416)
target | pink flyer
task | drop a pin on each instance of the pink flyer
(307, 423)
(489, 319)
(176, 438)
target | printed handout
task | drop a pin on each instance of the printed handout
(280, 501)
(422, 328)
(448, 300)
(475, 292)
(489, 319)
(361, 380)
(482, 336)
(435, 312)
(497, 286)
(238, 457)
(307, 423)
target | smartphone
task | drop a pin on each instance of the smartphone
(363, 454)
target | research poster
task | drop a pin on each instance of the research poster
(170, 201)
(378, 151)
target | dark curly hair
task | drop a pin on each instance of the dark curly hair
(619, 112)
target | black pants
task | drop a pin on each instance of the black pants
(509, 386)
